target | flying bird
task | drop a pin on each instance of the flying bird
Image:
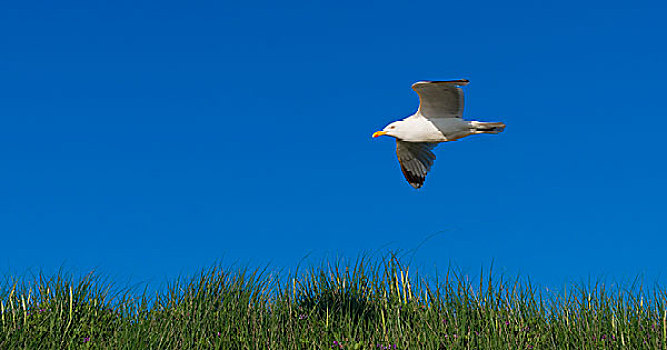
(438, 119)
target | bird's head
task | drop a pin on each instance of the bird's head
(394, 130)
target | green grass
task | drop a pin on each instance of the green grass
(369, 304)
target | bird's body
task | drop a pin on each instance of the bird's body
(438, 119)
(420, 129)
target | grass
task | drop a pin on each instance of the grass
(368, 304)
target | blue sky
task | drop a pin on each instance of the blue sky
(150, 139)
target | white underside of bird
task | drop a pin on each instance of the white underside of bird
(438, 119)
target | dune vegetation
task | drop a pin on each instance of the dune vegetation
(363, 304)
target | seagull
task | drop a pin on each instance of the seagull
(438, 119)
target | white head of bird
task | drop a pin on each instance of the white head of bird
(414, 130)
(393, 129)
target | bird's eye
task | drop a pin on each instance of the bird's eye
(392, 127)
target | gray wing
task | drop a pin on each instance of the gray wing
(416, 159)
(440, 99)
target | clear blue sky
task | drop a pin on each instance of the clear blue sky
(147, 139)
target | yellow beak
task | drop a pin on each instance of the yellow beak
(379, 133)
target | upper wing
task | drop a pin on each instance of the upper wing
(440, 99)
(416, 159)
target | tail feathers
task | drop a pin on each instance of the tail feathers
(488, 128)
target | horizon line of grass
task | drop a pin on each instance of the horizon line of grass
(379, 304)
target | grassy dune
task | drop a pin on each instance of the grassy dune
(368, 304)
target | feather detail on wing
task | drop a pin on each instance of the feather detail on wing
(416, 159)
(440, 99)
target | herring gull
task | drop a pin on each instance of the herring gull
(438, 119)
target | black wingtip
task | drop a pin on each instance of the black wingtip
(458, 81)
(414, 180)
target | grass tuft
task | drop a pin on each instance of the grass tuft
(366, 304)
